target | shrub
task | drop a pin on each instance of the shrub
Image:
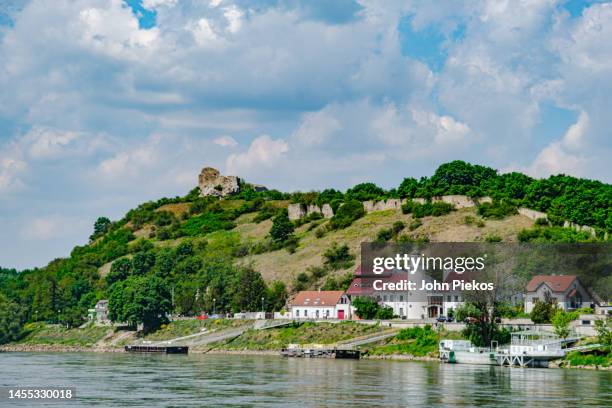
(493, 238)
(266, 212)
(384, 235)
(497, 209)
(282, 228)
(541, 222)
(338, 257)
(408, 206)
(206, 223)
(433, 209)
(414, 224)
(397, 227)
(320, 232)
(347, 214)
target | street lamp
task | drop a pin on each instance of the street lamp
(214, 306)
(262, 306)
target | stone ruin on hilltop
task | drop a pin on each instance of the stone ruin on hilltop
(213, 183)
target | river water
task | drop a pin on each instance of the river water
(128, 380)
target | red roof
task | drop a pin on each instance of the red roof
(364, 285)
(317, 298)
(558, 283)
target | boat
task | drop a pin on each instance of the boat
(464, 352)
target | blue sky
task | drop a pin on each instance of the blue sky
(109, 103)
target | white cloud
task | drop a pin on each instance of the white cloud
(316, 127)
(264, 152)
(225, 141)
(10, 171)
(51, 227)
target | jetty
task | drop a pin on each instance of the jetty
(320, 351)
(151, 348)
(528, 348)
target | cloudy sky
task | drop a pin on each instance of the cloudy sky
(105, 104)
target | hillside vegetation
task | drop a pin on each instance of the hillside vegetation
(189, 254)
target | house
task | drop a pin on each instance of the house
(322, 304)
(565, 290)
(99, 313)
(389, 289)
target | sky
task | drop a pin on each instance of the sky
(105, 104)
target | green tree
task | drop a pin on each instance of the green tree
(347, 214)
(543, 312)
(11, 320)
(101, 227)
(277, 296)
(365, 307)
(408, 188)
(249, 288)
(338, 257)
(120, 270)
(603, 327)
(140, 299)
(282, 228)
(561, 321)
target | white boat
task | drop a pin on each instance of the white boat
(464, 352)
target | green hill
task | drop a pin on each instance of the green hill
(191, 253)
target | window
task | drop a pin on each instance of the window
(327, 313)
(401, 298)
(456, 298)
(391, 298)
(317, 313)
(535, 300)
(305, 313)
(401, 311)
(385, 298)
(297, 313)
(448, 298)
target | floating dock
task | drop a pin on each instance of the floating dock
(527, 349)
(144, 348)
(321, 353)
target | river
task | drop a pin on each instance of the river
(127, 380)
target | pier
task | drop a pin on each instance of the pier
(145, 348)
(321, 353)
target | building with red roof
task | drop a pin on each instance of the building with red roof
(565, 290)
(321, 304)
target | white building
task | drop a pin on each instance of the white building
(406, 304)
(323, 304)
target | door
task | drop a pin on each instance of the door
(341, 314)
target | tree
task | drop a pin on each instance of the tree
(347, 214)
(249, 288)
(603, 327)
(282, 227)
(140, 299)
(338, 256)
(120, 270)
(408, 188)
(384, 313)
(543, 312)
(561, 321)
(277, 296)
(11, 320)
(365, 191)
(101, 227)
(365, 307)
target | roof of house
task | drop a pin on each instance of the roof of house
(317, 298)
(558, 283)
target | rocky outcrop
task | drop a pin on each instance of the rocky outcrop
(212, 183)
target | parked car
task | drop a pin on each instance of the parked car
(441, 319)
(471, 320)
(449, 319)
(498, 320)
